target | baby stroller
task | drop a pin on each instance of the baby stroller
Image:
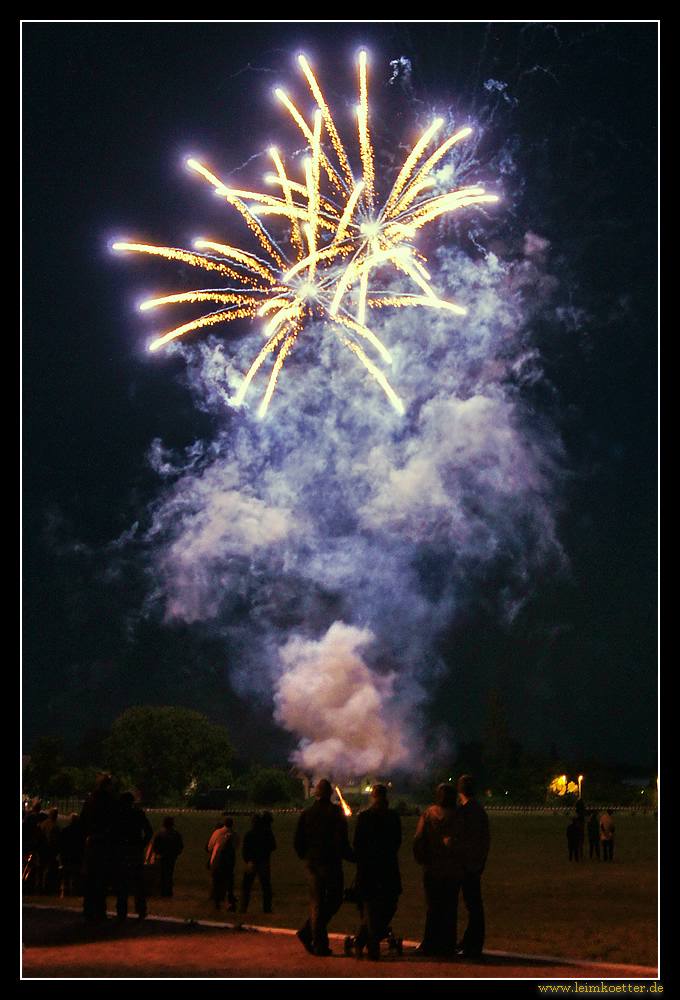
(352, 946)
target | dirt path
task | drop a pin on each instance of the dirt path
(56, 943)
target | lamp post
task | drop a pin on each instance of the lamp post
(580, 782)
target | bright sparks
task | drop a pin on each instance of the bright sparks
(345, 808)
(329, 240)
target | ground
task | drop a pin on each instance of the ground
(58, 944)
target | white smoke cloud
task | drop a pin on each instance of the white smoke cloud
(330, 697)
(304, 538)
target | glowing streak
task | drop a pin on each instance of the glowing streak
(365, 147)
(377, 375)
(282, 315)
(267, 349)
(345, 808)
(435, 211)
(329, 208)
(409, 267)
(410, 163)
(204, 172)
(347, 214)
(205, 295)
(295, 234)
(224, 316)
(296, 212)
(364, 332)
(398, 301)
(433, 160)
(273, 378)
(258, 230)
(350, 275)
(247, 259)
(194, 259)
(328, 119)
(306, 131)
(318, 255)
(270, 304)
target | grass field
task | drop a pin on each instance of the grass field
(535, 900)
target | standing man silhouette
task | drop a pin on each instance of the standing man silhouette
(474, 849)
(321, 841)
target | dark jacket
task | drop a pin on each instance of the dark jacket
(98, 819)
(321, 835)
(71, 843)
(437, 842)
(132, 833)
(474, 836)
(258, 844)
(168, 844)
(377, 840)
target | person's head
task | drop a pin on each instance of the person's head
(445, 795)
(103, 783)
(323, 790)
(267, 818)
(127, 800)
(379, 795)
(465, 787)
(168, 822)
(228, 822)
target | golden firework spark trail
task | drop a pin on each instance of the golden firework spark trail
(334, 240)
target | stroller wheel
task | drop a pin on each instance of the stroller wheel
(349, 945)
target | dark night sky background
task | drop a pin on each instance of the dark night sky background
(109, 111)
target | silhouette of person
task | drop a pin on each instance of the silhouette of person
(474, 841)
(321, 841)
(222, 847)
(607, 830)
(377, 840)
(132, 835)
(573, 834)
(71, 850)
(435, 848)
(98, 821)
(258, 844)
(594, 834)
(167, 845)
(48, 852)
(581, 819)
(31, 837)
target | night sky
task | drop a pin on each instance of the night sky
(110, 111)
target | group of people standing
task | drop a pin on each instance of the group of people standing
(105, 850)
(601, 831)
(53, 855)
(258, 845)
(102, 851)
(451, 843)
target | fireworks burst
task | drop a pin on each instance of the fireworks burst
(336, 240)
